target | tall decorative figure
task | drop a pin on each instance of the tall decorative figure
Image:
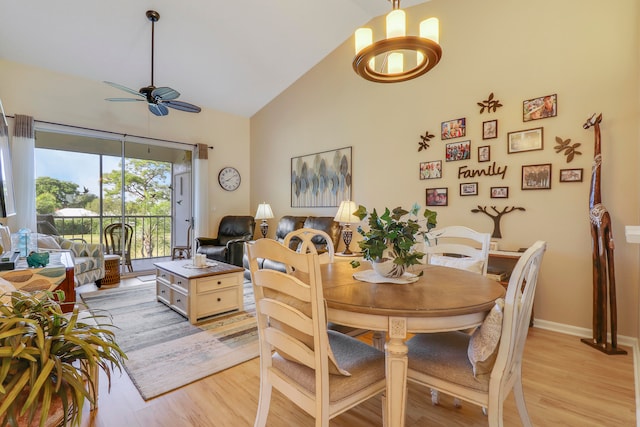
(603, 265)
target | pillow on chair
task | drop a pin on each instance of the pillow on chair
(47, 242)
(484, 343)
(469, 264)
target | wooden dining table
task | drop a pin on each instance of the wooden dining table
(442, 299)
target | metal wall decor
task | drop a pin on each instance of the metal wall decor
(569, 150)
(490, 104)
(423, 144)
(321, 179)
(496, 216)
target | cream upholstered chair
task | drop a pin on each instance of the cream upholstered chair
(323, 372)
(484, 367)
(470, 247)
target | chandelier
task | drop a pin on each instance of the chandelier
(418, 53)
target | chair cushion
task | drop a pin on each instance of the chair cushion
(365, 363)
(468, 264)
(444, 356)
(286, 225)
(484, 343)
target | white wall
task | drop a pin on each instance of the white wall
(586, 52)
(69, 100)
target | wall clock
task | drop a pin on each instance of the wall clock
(229, 178)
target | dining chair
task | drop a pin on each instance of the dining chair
(458, 247)
(485, 367)
(183, 251)
(324, 372)
(117, 240)
(308, 239)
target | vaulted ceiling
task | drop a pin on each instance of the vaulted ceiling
(233, 56)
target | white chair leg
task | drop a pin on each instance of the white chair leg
(263, 405)
(518, 393)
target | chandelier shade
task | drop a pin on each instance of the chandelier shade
(394, 50)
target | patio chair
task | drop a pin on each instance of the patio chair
(117, 239)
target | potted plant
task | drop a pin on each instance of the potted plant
(46, 357)
(390, 241)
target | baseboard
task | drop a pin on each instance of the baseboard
(587, 333)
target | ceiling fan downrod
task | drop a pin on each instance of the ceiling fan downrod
(152, 16)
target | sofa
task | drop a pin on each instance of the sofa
(289, 223)
(228, 247)
(88, 258)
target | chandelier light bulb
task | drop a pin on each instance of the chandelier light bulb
(396, 24)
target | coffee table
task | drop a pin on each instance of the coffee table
(197, 293)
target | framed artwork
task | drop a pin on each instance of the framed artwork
(321, 179)
(458, 151)
(536, 177)
(571, 175)
(540, 108)
(499, 192)
(431, 170)
(453, 128)
(490, 129)
(468, 188)
(484, 153)
(524, 140)
(437, 196)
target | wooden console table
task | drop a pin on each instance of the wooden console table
(57, 275)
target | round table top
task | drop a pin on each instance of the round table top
(440, 291)
(111, 257)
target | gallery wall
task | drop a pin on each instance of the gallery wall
(585, 52)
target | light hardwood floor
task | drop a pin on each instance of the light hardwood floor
(566, 383)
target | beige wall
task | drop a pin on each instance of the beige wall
(584, 51)
(59, 98)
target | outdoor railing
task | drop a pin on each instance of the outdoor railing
(151, 233)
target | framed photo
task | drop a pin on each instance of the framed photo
(437, 196)
(453, 128)
(524, 140)
(431, 170)
(458, 151)
(540, 108)
(499, 192)
(571, 175)
(490, 129)
(468, 188)
(536, 177)
(321, 179)
(484, 153)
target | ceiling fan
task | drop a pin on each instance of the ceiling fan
(158, 98)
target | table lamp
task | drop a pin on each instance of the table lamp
(264, 213)
(345, 216)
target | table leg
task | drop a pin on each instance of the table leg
(396, 372)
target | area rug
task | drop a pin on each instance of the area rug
(164, 350)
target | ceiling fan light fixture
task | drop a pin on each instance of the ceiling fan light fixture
(426, 47)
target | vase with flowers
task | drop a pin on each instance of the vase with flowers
(389, 243)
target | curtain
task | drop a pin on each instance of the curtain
(23, 148)
(201, 192)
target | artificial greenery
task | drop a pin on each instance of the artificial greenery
(45, 353)
(397, 228)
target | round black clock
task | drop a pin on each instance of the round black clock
(229, 178)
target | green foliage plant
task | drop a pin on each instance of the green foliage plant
(397, 228)
(45, 353)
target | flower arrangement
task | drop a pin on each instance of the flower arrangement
(392, 235)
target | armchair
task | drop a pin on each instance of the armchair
(228, 247)
(88, 260)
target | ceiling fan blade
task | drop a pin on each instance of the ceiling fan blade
(124, 88)
(124, 99)
(164, 93)
(182, 106)
(158, 109)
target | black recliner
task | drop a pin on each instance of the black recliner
(228, 247)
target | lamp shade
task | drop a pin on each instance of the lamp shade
(264, 211)
(345, 213)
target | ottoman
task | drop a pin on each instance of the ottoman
(111, 270)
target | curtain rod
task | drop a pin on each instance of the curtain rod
(115, 133)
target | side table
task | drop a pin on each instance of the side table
(111, 270)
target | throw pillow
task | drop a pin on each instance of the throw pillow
(47, 242)
(484, 343)
(469, 264)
